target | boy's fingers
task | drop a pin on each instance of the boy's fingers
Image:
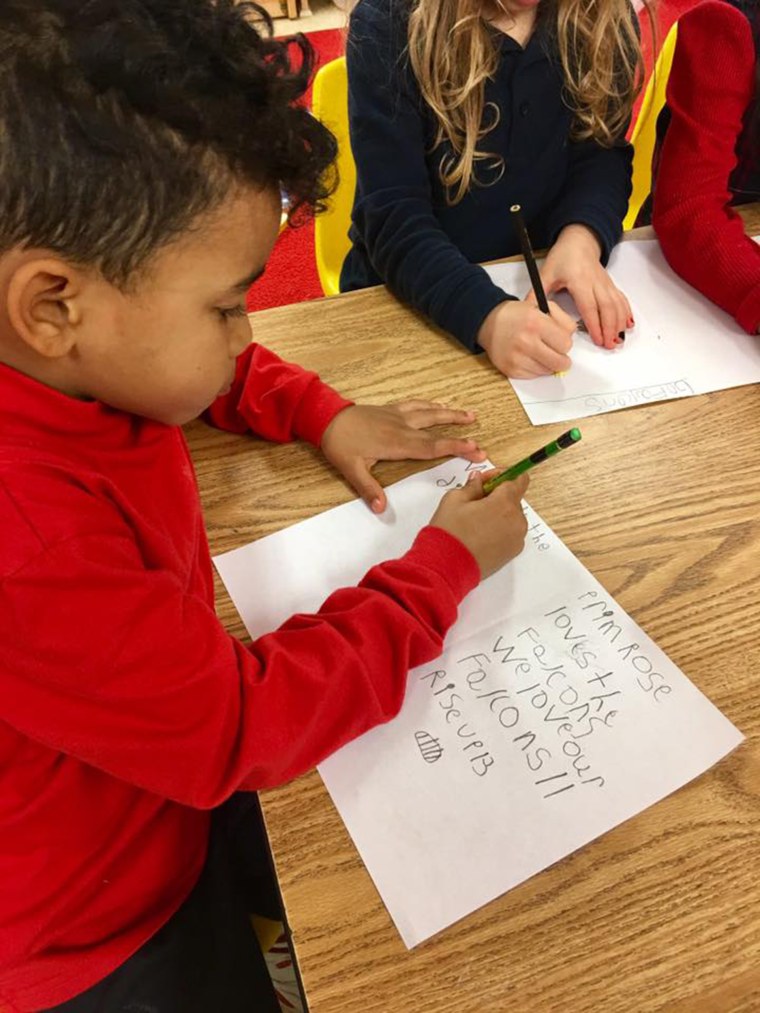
(473, 487)
(511, 492)
(368, 487)
(476, 456)
(414, 404)
(431, 447)
(437, 415)
(519, 485)
(417, 405)
(514, 489)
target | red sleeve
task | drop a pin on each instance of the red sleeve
(710, 87)
(134, 676)
(275, 399)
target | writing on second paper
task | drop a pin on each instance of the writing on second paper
(681, 345)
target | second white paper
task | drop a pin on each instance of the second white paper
(682, 344)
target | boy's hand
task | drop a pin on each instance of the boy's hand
(360, 436)
(573, 264)
(522, 342)
(492, 527)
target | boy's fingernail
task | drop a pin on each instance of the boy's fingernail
(376, 505)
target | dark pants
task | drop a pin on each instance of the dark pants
(206, 959)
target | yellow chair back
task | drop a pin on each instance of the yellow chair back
(331, 242)
(645, 131)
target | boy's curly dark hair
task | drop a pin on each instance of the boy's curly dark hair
(123, 120)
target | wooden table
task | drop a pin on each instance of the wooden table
(664, 508)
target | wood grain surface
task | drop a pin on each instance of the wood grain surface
(662, 504)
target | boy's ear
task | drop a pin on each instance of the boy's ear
(43, 305)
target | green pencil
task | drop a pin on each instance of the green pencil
(565, 440)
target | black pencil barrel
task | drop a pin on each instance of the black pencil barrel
(530, 260)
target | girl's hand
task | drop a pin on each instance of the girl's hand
(360, 436)
(573, 264)
(522, 342)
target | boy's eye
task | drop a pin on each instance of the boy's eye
(230, 312)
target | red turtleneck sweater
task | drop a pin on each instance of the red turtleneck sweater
(126, 710)
(711, 84)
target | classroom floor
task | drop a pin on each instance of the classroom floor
(280, 963)
(323, 14)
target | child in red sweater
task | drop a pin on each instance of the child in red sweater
(143, 144)
(708, 159)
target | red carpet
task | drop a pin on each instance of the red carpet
(291, 274)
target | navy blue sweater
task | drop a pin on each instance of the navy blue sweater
(403, 231)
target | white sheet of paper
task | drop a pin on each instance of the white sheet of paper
(682, 344)
(550, 718)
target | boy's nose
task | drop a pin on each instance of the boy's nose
(240, 341)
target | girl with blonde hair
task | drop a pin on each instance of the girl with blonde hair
(461, 108)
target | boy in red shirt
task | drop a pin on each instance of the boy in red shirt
(143, 144)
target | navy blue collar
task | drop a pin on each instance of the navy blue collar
(537, 47)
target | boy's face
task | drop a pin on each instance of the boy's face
(166, 347)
